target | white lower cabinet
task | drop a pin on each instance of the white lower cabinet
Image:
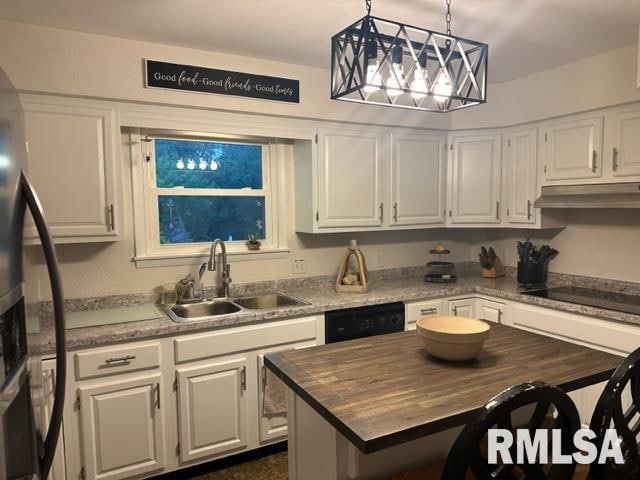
(48, 394)
(417, 310)
(212, 408)
(122, 431)
(463, 307)
(490, 311)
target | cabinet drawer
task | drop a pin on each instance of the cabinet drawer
(609, 336)
(241, 339)
(121, 359)
(415, 311)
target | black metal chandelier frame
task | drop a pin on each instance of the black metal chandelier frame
(407, 51)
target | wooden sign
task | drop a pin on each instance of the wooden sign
(210, 80)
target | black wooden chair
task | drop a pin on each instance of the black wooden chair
(467, 460)
(610, 412)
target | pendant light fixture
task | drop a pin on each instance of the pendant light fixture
(383, 62)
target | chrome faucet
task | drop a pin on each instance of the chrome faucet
(222, 278)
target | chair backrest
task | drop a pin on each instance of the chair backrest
(610, 412)
(467, 460)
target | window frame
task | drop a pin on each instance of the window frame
(148, 249)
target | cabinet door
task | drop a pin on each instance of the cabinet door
(522, 152)
(417, 180)
(58, 471)
(415, 311)
(490, 311)
(464, 307)
(476, 179)
(122, 428)
(626, 149)
(349, 178)
(212, 406)
(71, 163)
(573, 150)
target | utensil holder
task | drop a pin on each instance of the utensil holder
(532, 273)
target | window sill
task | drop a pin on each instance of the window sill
(179, 259)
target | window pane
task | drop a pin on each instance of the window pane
(189, 219)
(189, 164)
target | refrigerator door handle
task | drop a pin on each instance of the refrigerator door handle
(51, 260)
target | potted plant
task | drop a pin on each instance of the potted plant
(253, 243)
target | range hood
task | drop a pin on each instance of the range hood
(607, 195)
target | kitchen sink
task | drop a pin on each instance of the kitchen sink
(202, 310)
(271, 300)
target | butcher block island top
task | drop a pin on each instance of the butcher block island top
(386, 390)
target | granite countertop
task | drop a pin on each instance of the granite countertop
(320, 298)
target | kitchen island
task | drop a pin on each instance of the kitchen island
(369, 408)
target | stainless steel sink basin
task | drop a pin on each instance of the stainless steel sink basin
(271, 300)
(203, 310)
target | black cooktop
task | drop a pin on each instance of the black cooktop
(620, 302)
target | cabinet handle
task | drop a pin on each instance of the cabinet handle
(498, 211)
(528, 209)
(243, 379)
(126, 358)
(264, 377)
(594, 165)
(615, 159)
(381, 212)
(395, 212)
(428, 311)
(111, 219)
(158, 395)
(455, 311)
(499, 316)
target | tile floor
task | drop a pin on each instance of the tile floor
(270, 467)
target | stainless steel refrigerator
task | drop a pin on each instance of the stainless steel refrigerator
(26, 446)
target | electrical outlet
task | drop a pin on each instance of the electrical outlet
(299, 265)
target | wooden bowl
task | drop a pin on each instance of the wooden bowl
(453, 338)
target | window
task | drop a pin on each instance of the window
(197, 189)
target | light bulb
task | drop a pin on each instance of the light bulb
(418, 86)
(191, 165)
(180, 164)
(442, 89)
(395, 82)
(202, 165)
(374, 79)
(214, 165)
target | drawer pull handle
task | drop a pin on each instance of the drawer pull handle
(126, 358)
(427, 311)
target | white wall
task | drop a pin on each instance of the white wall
(601, 81)
(599, 243)
(49, 60)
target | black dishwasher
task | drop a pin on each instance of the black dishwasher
(352, 323)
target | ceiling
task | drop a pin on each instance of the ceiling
(524, 36)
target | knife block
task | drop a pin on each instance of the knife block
(497, 271)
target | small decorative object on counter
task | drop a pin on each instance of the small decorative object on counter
(492, 266)
(353, 276)
(440, 271)
(253, 243)
(533, 264)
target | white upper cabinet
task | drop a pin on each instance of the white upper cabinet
(573, 149)
(625, 153)
(350, 190)
(417, 179)
(475, 179)
(72, 163)
(520, 169)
